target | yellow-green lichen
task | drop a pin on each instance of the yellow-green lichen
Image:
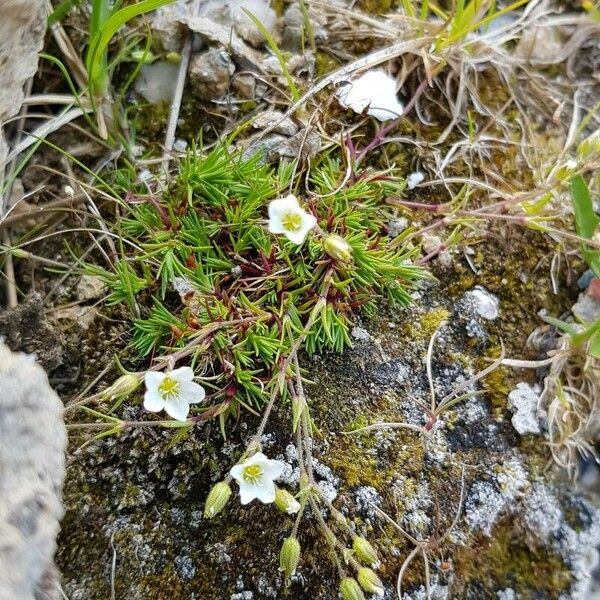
(428, 324)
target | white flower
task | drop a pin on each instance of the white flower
(286, 216)
(172, 392)
(571, 165)
(374, 91)
(414, 179)
(255, 477)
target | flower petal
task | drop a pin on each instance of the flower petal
(248, 492)
(392, 110)
(276, 225)
(374, 91)
(273, 468)
(153, 379)
(265, 492)
(278, 208)
(257, 458)
(182, 374)
(296, 237)
(153, 401)
(191, 392)
(237, 472)
(282, 205)
(177, 408)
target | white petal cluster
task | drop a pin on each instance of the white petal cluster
(172, 392)
(255, 476)
(373, 92)
(414, 179)
(288, 217)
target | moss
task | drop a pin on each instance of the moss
(325, 63)
(377, 7)
(505, 560)
(428, 324)
(498, 385)
(153, 586)
(149, 122)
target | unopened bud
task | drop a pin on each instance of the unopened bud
(337, 247)
(365, 552)
(285, 502)
(566, 170)
(589, 146)
(350, 590)
(370, 582)
(217, 499)
(122, 387)
(143, 57)
(173, 57)
(289, 556)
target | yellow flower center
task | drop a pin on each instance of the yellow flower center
(292, 221)
(253, 473)
(169, 387)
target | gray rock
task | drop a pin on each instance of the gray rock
(587, 308)
(244, 25)
(523, 402)
(90, 287)
(485, 304)
(275, 119)
(32, 469)
(210, 73)
(22, 28)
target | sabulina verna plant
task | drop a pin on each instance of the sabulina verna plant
(228, 274)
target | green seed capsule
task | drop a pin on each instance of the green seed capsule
(370, 582)
(365, 552)
(217, 499)
(285, 502)
(337, 247)
(122, 387)
(289, 556)
(350, 590)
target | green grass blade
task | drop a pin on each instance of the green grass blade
(586, 220)
(104, 35)
(275, 49)
(61, 11)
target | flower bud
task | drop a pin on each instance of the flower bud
(370, 582)
(122, 387)
(350, 590)
(285, 502)
(589, 146)
(143, 57)
(217, 499)
(365, 552)
(289, 556)
(566, 170)
(173, 57)
(337, 247)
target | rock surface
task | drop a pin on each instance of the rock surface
(22, 28)
(140, 496)
(32, 468)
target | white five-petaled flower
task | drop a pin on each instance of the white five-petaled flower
(172, 392)
(374, 91)
(288, 217)
(255, 476)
